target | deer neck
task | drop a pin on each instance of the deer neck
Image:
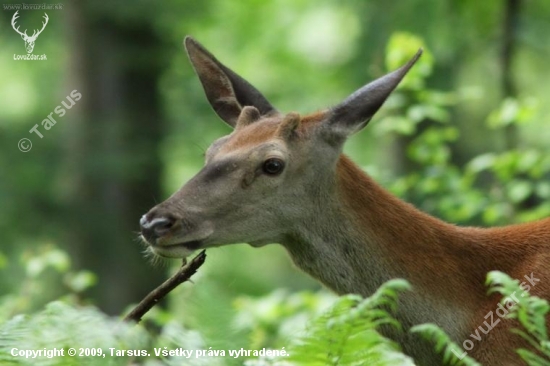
(361, 236)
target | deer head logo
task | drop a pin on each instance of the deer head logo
(29, 40)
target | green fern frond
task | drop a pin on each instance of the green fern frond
(531, 358)
(346, 333)
(443, 344)
(530, 311)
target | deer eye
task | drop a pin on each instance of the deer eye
(273, 166)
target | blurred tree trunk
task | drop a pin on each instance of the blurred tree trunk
(512, 11)
(113, 167)
(511, 25)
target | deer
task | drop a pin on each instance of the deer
(29, 40)
(283, 178)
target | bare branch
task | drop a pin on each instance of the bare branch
(184, 274)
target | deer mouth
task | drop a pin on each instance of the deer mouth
(175, 250)
(171, 238)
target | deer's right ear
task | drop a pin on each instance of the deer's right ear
(356, 110)
(227, 92)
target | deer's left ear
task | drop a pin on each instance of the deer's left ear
(356, 110)
(227, 92)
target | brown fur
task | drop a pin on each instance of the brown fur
(448, 264)
(251, 135)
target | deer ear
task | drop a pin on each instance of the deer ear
(226, 91)
(355, 111)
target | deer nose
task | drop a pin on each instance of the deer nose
(155, 228)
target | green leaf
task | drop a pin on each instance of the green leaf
(444, 344)
(401, 47)
(397, 124)
(80, 281)
(512, 111)
(518, 190)
(481, 163)
(51, 258)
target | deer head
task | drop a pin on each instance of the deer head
(274, 172)
(29, 40)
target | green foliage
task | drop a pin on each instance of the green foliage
(443, 344)
(512, 111)
(45, 267)
(343, 335)
(67, 323)
(489, 189)
(272, 320)
(63, 326)
(346, 334)
(531, 311)
(62, 323)
(399, 50)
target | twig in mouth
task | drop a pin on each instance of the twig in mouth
(184, 274)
